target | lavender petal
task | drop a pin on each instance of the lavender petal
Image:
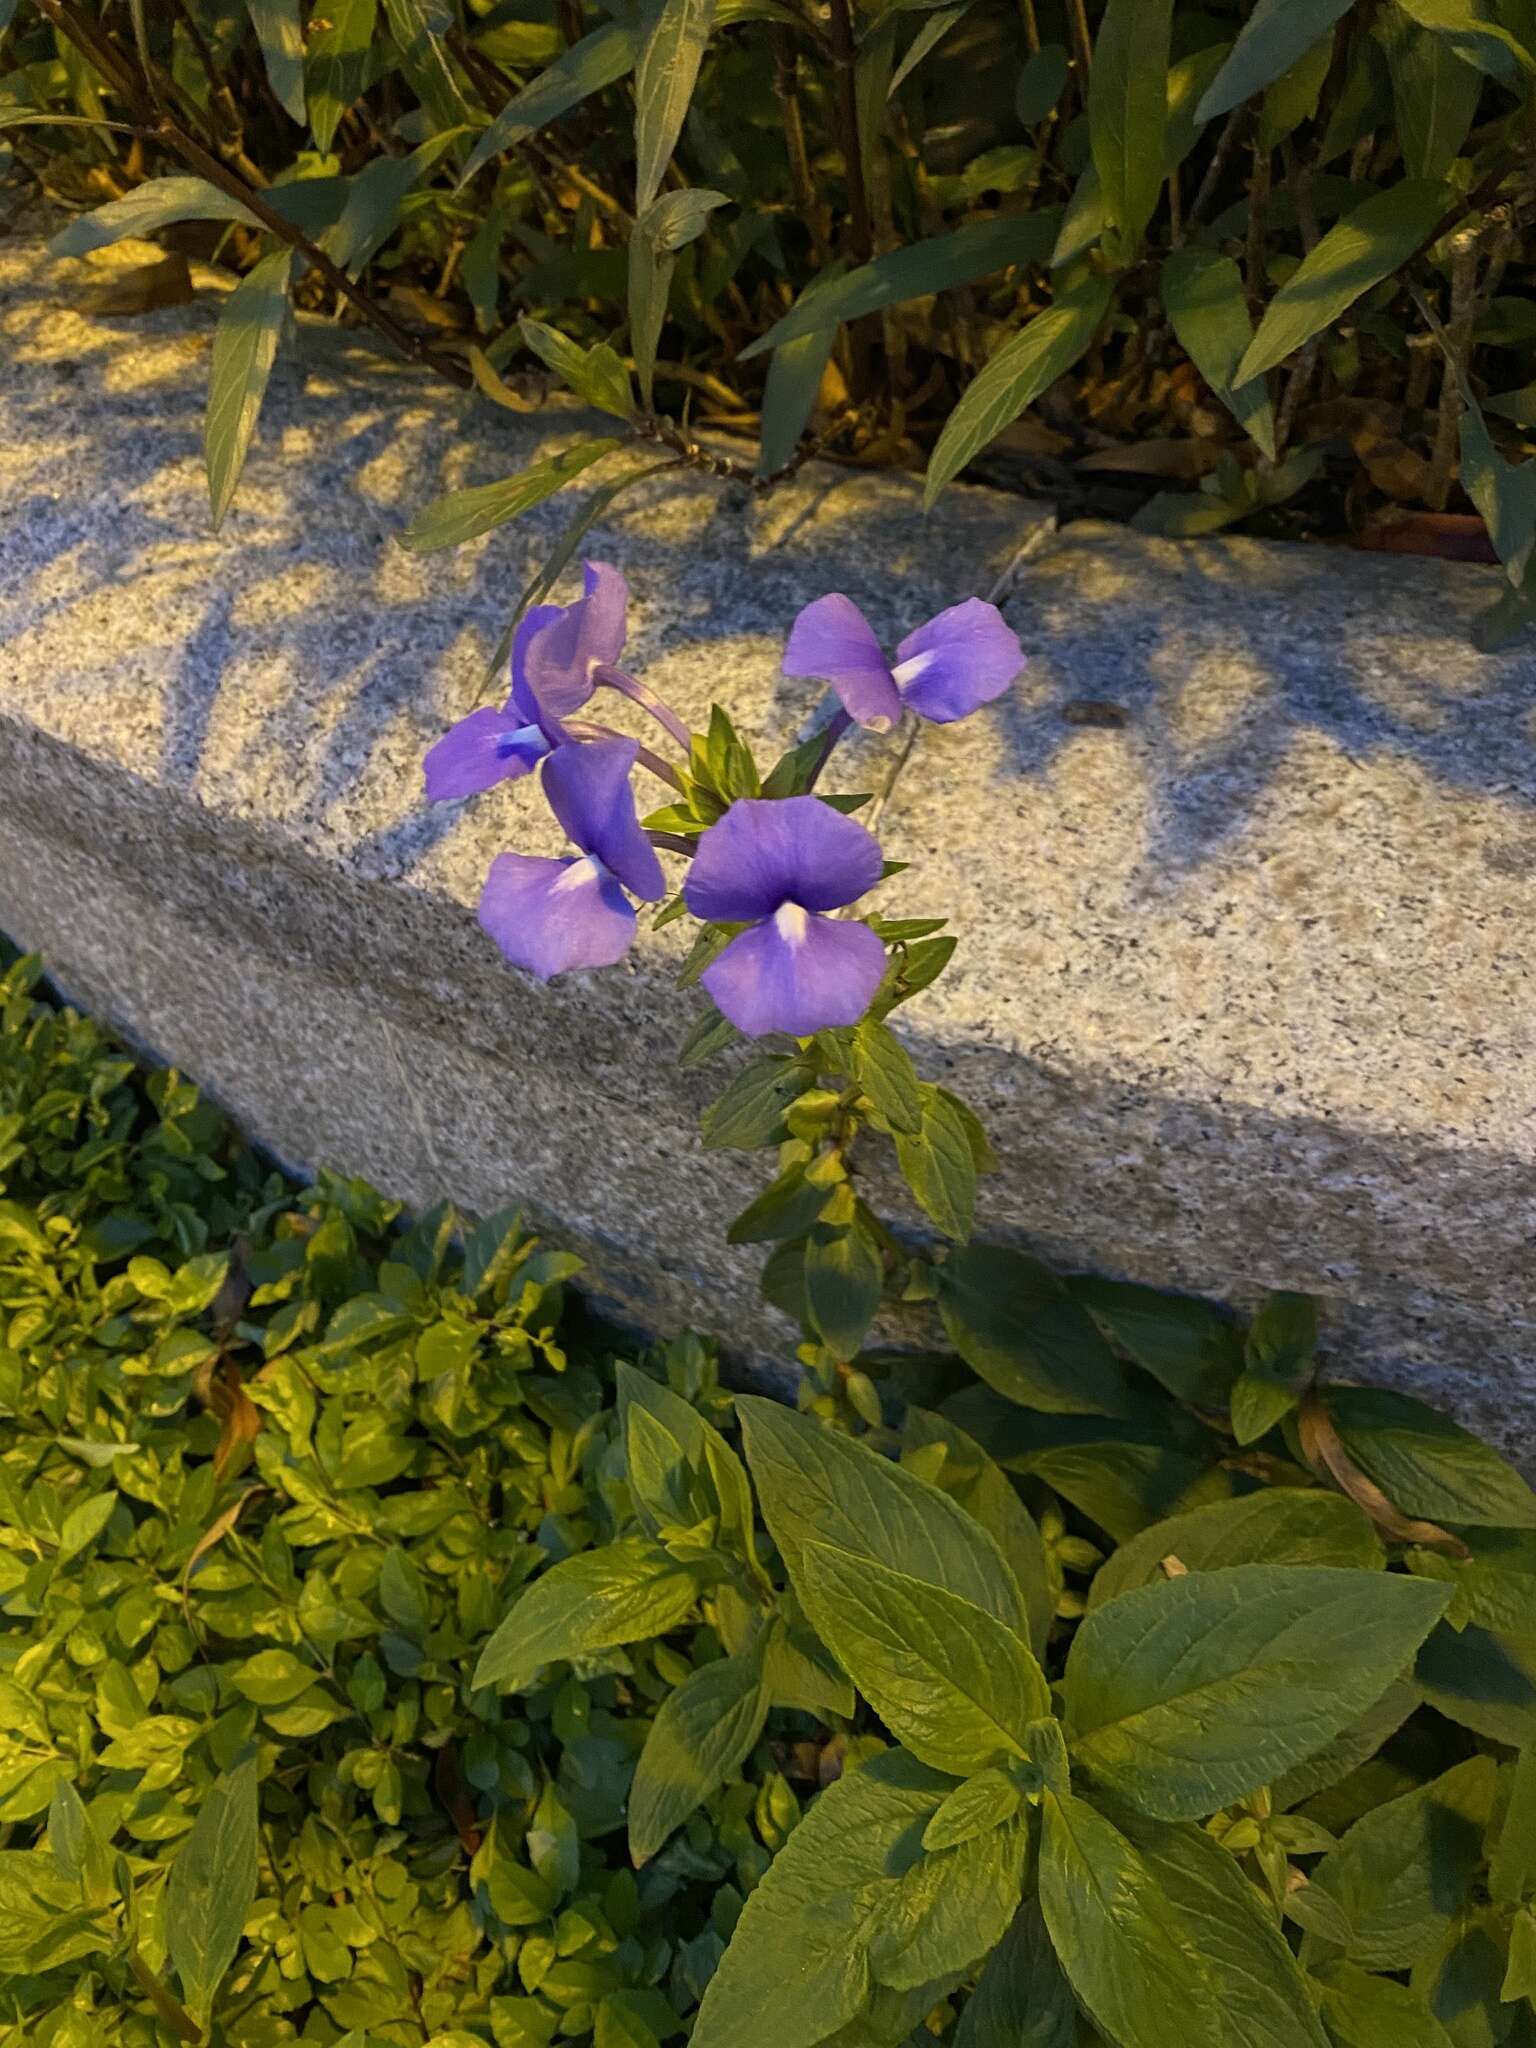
(768, 851)
(832, 642)
(587, 784)
(797, 973)
(487, 747)
(550, 916)
(957, 662)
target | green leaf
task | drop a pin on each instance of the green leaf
(1016, 376)
(1204, 299)
(851, 1887)
(461, 515)
(978, 249)
(244, 348)
(817, 1486)
(1371, 242)
(1404, 1871)
(79, 1854)
(1013, 1322)
(704, 1732)
(42, 1923)
(83, 1524)
(601, 58)
(1252, 1975)
(938, 25)
(1128, 111)
(1476, 39)
(667, 225)
(939, 1166)
(373, 204)
(883, 1068)
(680, 1469)
(787, 1207)
(1274, 36)
(1434, 96)
(212, 1887)
(1041, 84)
(1125, 1950)
(593, 1601)
(1189, 1346)
(418, 32)
(981, 1802)
(985, 1491)
(1482, 1679)
(1361, 2011)
(281, 36)
(1022, 1998)
(158, 203)
(1512, 1871)
(1426, 1464)
(1282, 1525)
(596, 374)
(1520, 1974)
(664, 82)
(949, 1681)
(844, 1280)
(1504, 492)
(750, 1113)
(336, 65)
(273, 1677)
(1186, 1696)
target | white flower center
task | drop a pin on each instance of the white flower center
(588, 869)
(791, 923)
(907, 672)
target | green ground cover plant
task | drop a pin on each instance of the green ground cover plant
(383, 1663)
(1279, 250)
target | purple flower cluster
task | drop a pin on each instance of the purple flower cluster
(777, 867)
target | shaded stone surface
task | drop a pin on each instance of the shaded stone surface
(1243, 869)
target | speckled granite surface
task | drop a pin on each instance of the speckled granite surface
(1245, 983)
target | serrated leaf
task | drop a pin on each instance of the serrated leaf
(939, 1166)
(1016, 376)
(244, 349)
(337, 63)
(1273, 37)
(1206, 303)
(680, 1469)
(1425, 1463)
(703, 1733)
(818, 1486)
(1127, 111)
(1189, 1346)
(948, 1679)
(985, 1491)
(664, 80)
(1282, 1525)
(1374, 240)
(1361, 2011)
(158, 203)
(1022, 1998)
(1013, 1321)
(750, 1113)
(980, 1802)
(1185, 1696)
(851, 1893)
(460, 515)
(787, 1207)
(593, 1601)
(883, 1068)
(1402, 1873)
(212, 1887)
(1512, 1870)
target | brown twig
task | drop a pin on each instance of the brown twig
(1226, 142)
(786, 86)
(845, 58)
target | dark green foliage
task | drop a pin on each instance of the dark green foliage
(1290, 237)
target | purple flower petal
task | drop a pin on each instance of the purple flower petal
(768, 851)
(571, 641)
(832, 642)
(958, 662)
(553, 915)
(587, 784)
(797, 973)
(536, 620)
(487, 747)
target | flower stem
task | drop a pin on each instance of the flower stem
(643, 695)
(839, 723)
(587, 729)
(175, 2016)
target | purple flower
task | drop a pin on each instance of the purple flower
(778, 865)
(952, 666)
(552, 915)
(555, 655)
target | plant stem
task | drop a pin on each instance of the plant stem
(786, 85)
(643, 695)
(175, 2016)
(1258, 209)
(845, 57)
(1458, 331)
